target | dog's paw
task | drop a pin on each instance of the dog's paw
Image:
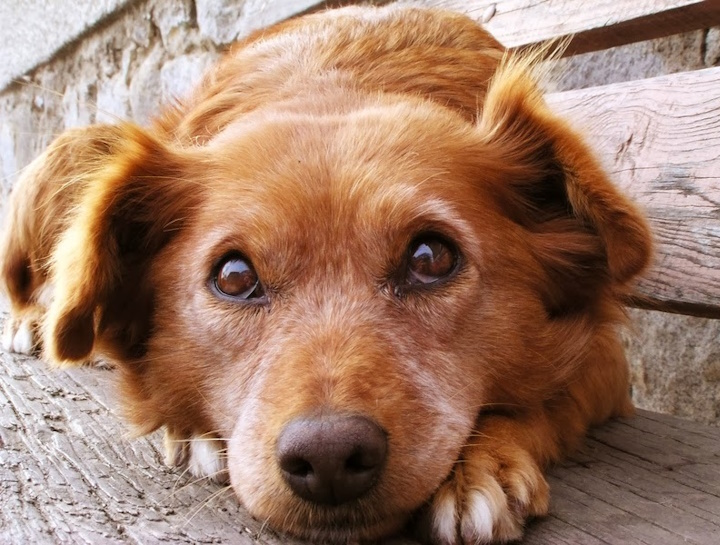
(207, 458)
(488, 497)
(203, 455)
(20, 335)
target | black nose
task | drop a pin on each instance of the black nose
(331, 459)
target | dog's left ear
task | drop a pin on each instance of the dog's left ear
(584, 232)
(134, 200)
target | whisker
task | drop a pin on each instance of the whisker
(206, 502)
(202, 479)
(196, 438)
(263, 527)
(182, 476)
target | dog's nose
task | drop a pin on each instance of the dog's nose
(331, 459)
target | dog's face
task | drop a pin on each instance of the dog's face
(339, 294)
(325, 281)
(347, 266)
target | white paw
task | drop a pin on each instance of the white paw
(487, 514)
(444, 516)
(207, 458)
(488, 502)
(204, 455)
(19, 336)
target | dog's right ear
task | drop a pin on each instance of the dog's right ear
(133, 202)
(588, 237)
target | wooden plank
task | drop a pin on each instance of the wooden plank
(602, 24)
(660, 139)
(635, 482)
(69, 475)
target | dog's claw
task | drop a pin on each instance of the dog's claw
(176, 449)
(488, 499)
(19, 336)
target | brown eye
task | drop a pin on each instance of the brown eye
(431, 259)
(236, 278)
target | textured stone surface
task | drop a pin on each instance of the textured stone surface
(155, 50)
(220, 20)
(179, 75)
(150, 53)
(223, 21)
(712, 47)
(33, 30)
(172, 20)
(675, 364)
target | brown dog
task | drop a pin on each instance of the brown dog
(363, 268)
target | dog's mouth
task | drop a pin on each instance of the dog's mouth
(347, 523)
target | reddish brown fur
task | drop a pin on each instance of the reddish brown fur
(320, 149)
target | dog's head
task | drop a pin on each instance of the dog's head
(339, 293)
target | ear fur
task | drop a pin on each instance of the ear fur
(39, 204)
(122, 219)
(584, 231)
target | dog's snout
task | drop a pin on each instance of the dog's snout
(331, 459)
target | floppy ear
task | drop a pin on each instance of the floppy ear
(38, 203)
(130, 206)
(584, 232)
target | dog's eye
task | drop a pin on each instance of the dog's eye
(236, 278)
(430, 260)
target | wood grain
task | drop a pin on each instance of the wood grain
(69, 474)
(602, 24)
(660, 140)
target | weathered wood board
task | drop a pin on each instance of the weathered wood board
(69, 474)
(593, 26)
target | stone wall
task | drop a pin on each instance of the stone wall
(119, 59)
(122, 63)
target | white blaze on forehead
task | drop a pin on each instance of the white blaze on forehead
(409, 202)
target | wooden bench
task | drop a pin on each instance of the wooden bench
(69, 474)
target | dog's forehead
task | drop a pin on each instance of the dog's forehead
(343, 168)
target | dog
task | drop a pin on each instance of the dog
(362, 271)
